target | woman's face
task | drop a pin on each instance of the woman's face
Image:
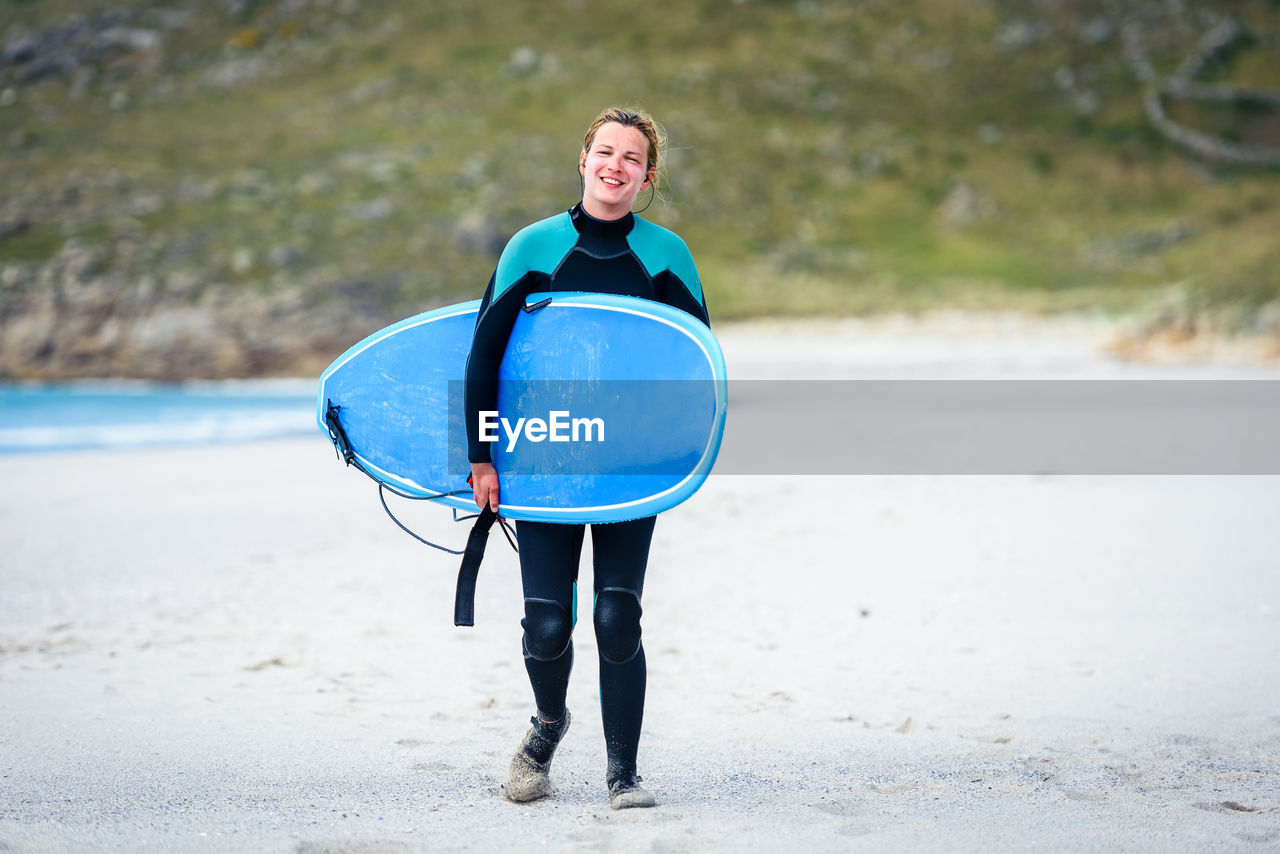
(614, 170)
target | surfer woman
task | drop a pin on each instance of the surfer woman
(598, 246)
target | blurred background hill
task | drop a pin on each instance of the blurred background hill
(238, 188)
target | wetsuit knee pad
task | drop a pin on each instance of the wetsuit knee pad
(548, 628)
(617, 619)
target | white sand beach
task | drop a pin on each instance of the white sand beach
(231, 649)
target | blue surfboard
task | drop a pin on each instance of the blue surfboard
(609, 408)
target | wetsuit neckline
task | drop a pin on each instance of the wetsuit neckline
(586, 224)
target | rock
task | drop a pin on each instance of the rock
(28, 339)
(1086, 102)
(238, 9)
(20, 50)
(386, 172)
(1175, 314)
(143, 204)
(989, 134)
(126, 40)
(42, 69)
(524, 60)
(1267, 320)
(316, 183)
(367, 91)
(964, 205)
(241, 261)
(14, 227)
(235, 72)
(74, 262)
(1095, 32)
(11, 276)
(64, 51)
(87, 303)
(1019, 34)
(180, 341)
(871, 161)
(371, 211)
(182, 284)
(196, 190)
(281, 257)
(1151, 240)
(142, 294)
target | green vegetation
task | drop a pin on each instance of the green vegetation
(828, 157)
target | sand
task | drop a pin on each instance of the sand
(225, 649)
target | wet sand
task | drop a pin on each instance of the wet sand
(232, 649)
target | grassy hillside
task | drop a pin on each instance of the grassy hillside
(845, 157)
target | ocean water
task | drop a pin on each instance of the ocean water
(37, 418)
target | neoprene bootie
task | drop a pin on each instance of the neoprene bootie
(625, 792)
(530, 774)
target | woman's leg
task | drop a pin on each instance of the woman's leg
(548, 568)
(549, 556)
(621, 554)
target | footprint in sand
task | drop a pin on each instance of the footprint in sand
(354, 846)
(856, 830)
(1259, 838)
(842, 808)
(433, 767)
(1077, 795)
(1226, 806)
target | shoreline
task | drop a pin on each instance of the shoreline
(1122, 338)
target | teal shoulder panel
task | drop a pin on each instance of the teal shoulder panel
(537, 247)
(659, 249)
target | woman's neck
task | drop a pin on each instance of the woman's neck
(607, 215)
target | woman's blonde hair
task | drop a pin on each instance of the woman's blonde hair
(640, 120)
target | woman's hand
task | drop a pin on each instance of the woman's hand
(484, 482)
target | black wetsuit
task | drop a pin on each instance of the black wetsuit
(573, 251)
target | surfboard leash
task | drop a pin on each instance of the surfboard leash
(472, 554)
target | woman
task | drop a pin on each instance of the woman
(599, 246)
